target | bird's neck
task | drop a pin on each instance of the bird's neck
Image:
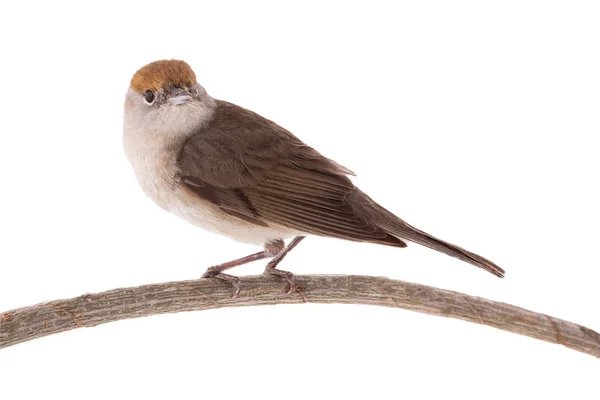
(152, 142)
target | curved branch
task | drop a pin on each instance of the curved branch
(44, 319)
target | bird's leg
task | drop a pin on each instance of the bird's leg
(217, 270)
(271, 249)
(213, 271)
(271, 268)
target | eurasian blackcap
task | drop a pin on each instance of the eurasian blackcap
(231, 171)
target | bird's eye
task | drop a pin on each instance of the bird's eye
(149, 96)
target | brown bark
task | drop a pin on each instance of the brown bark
(89, 310)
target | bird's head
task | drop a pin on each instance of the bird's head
(165, 98)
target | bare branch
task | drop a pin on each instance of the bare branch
(44, 319)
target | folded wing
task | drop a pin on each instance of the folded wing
(256, 171)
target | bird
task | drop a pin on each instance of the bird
(234, 172)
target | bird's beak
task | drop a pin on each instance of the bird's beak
(179, 96)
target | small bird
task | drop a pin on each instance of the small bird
(231, 171)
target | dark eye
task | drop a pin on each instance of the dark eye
(149, 96)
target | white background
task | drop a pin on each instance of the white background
(475, 122)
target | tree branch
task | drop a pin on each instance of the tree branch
(44, 319)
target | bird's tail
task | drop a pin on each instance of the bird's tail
(396, 227)
(410, 233)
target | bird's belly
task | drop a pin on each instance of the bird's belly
(175, 199)
(156, 176)
(211, 218)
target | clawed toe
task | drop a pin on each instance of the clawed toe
(293, 288)
(292, 281)
(236, 284)
(213, 272)
(284, 274)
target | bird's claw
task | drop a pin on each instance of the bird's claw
(292, 281)
(215, 272)
(235, 282)
(284, 274)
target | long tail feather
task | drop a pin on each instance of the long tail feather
(417, 236)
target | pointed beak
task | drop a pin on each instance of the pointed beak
(179, 96)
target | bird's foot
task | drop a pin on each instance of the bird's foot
(215, 272)
(271, 270)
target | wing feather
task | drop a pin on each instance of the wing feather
(257, 171)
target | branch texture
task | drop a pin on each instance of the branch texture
(89, 310)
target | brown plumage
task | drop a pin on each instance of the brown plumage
(255, 170)
(161, 74)
(234, 172)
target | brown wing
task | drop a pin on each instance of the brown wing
(259, 172)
